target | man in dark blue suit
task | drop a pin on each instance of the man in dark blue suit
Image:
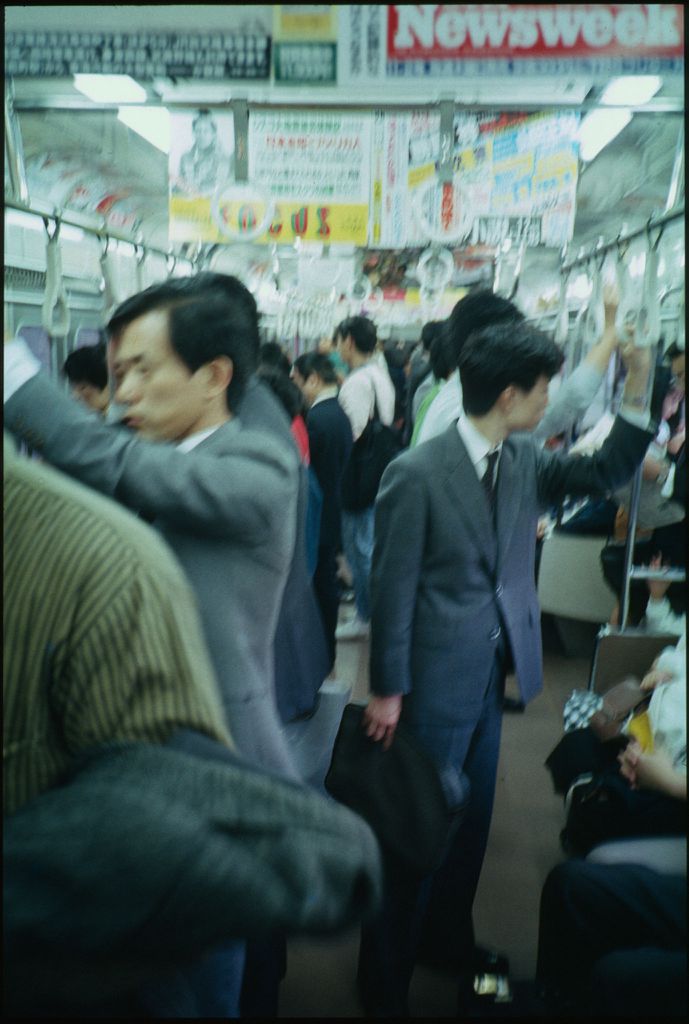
(330, 444)
(454, 604)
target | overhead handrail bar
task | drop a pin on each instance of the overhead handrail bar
(55, 315)
(651, 225)
(77, 220)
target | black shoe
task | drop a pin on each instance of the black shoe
(512, 704)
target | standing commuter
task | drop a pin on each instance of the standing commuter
(454, 604)
(366, 391)
(223, 495)
(330, 445)
(86, 369)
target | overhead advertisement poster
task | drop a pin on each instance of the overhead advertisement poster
(431, 41)
(201, 165)
(309, 178)
(305, 43)
(514, 176)
(315, 167)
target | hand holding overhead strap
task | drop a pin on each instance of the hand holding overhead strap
(55, 311)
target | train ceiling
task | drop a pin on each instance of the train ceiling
(627, 182)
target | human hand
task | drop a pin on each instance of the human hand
(651, 771)
(657, 588)
(611, 301)
(635, 358)
(381, 717)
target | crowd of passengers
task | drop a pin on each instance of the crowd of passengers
(175, 564)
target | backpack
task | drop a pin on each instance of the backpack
(371, 454)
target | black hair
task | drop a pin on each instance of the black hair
(476, 310)
(442, 356)
(430, 331)
(89, 365)
(206, 319)
(284, 389)
(362, 331)
(272, 354)
(514, 353)
(672, 352)
(316, 362)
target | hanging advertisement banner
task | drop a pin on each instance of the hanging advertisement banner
(201, 164)
(508, 40)
(316, 168)
(305, 43)
(512, 175)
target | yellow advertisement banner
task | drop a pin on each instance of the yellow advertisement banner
(305, 22)
(250, 221)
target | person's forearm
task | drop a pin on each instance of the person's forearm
(600, 354)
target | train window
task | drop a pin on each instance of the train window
(38, 341)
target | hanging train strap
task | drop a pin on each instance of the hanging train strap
(140, 253)
(107, 288)
(55, 315)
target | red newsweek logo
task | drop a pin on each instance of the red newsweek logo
(432, 31)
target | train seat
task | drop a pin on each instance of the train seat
(570, 579)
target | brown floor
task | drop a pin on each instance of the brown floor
(522, 848)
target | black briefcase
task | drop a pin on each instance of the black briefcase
(412, 808)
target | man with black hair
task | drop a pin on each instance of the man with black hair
(223, 495)
(330, 445)
(86, 369)
(205, 166)
(576, 393)
(420, 374)
(453, 603)
(366, 392)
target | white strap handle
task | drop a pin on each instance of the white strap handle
(55, 315)
(648, 324)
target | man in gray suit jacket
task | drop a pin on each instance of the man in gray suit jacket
(454, 605)
(227, 508)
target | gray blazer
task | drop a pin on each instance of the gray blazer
(227, 510)
(445, 583)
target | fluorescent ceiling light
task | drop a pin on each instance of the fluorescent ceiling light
(598, 129)
(110, 88)
(152, 123)
(631, 90)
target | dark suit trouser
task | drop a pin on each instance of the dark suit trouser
(613, 935)
(388, 946)
(327, 594)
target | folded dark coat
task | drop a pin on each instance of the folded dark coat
(151, 855)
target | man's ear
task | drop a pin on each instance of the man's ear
(219, 374)
(506, 398)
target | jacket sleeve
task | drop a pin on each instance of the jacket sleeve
(560, 475)
(401, 515)
(237, 491)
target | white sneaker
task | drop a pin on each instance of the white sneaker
(355, 629)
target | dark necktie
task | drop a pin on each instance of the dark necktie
(488, 480)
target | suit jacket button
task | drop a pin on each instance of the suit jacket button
(495, 633)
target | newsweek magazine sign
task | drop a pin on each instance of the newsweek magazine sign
(398, 41)
(514, 176)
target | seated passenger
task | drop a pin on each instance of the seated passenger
(86, 369)
(640, 796)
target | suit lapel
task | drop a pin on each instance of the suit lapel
(467, 496)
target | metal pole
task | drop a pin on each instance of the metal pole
(676, 191)
(634, 511)
(651, 225)
(91, 226)
(14, 148)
